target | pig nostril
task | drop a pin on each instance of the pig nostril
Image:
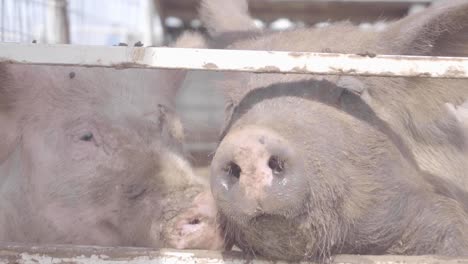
(87, 137)
(195, 221)
(276, 165)
(233, 170)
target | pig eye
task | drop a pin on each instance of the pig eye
(87, 137)
(233, 170)
(276, 165)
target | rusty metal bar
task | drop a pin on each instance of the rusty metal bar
(236, 60)
(28, 254)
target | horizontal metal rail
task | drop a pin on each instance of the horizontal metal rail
(24, 254)
(236, 60)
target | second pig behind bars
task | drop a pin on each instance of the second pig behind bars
(95, 156)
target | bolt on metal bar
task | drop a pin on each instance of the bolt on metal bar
(236, 60)
(33, 254)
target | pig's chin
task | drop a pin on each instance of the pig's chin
(274, 236)
(265, 218)
(248, 217)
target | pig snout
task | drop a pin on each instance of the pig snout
(256, 172)
(196, 227)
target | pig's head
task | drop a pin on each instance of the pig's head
(294, 173)
(89, 155)
(305, 168)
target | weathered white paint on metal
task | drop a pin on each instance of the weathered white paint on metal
(236, 60)
(24, 254)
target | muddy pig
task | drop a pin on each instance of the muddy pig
(310, 166)
(94, 156)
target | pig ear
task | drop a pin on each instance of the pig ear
(355, 86)
(170, 125)
(233, 86)
(441, 30)
(175, 78)
(8, 131)
(229, 110)
(220, 16)
(190, 40)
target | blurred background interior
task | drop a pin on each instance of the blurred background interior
(159, 22)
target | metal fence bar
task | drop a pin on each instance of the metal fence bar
(24, 254)
(236, 60)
